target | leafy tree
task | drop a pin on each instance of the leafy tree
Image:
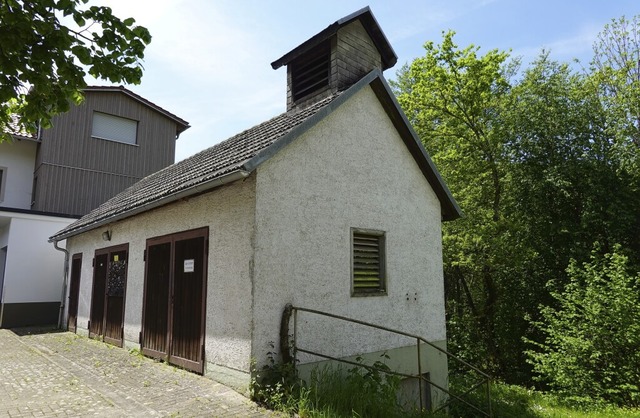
(453, 97)
(616, 65)
(592, 344)
(530, 158)
(43, 61)
(615, 72)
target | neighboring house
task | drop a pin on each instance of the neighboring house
(48, 180)
(195, 263)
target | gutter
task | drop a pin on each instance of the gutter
(199, 188)
(65, 276)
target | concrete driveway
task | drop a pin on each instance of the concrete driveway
(53, 374)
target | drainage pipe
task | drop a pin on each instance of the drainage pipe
(65, 276)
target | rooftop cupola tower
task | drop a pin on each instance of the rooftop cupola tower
(335, 58)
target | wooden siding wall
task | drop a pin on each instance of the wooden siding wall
(353, 55)
(76, 172)
(356, 56)
(76, 191)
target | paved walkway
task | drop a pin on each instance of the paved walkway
(59, 374)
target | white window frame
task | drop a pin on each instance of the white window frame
(114, 128)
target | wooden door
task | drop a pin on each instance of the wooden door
(173, 322)
(96, 318)
(155, 313)
(187, 330)
(74, 292)
(108, 294)
(114, 298)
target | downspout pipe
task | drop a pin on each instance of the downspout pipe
(65, 276)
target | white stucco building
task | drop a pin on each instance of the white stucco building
(333, 205)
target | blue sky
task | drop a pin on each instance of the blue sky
(209, 61)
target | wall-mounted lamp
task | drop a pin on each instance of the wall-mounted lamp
(106, 235)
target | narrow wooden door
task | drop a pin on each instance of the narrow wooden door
(155, 313)
(96, 318)
(74, 292)
(114, 297)
(187, 331)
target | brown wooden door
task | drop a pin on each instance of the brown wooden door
(96, 318)
(173, 322)
(187, 331)
(114, 298)
(108, 294)
(155, 313)
(74, 292)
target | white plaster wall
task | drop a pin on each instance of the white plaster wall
(18, 158)
(34, 268)
(228, 212)
(350, 170)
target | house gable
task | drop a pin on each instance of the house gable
(450, 208)
(350, 170)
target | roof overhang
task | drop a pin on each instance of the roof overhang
(389, 57)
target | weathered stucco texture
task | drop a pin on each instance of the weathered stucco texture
(228, 212)
(351, 170)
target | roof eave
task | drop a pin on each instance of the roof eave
(449, 207)
(389, 57)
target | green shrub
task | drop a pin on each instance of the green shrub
(592, 346)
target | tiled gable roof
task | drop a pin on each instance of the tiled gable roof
(222, 159)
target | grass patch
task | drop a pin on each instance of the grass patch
(358, 391)
(515, 401)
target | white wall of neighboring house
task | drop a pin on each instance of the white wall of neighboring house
(18, 161)
(34, 268)
(352, 170)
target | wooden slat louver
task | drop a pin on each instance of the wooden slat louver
(368, 263)
(310, 72)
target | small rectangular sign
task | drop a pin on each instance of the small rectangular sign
(189, 266)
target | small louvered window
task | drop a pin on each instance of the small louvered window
(310, 72)
(368, 262)
(114, 128)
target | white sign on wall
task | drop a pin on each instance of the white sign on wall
(189, 265)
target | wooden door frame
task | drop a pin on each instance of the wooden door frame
(203, 232)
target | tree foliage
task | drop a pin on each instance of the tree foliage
(591, 348)
(542, 162)
(453, 97)
(43, 61)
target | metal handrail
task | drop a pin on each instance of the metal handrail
(286, 349)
